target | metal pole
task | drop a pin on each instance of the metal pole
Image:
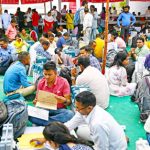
(127, 2)
(50, 5)
(106, 36)
(45, 8)
(59, 5)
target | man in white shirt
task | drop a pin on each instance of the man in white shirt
(54, 14)
(29, 17)
(6, 19)
(87, 25)
(80, 25)
(106, 133)
(91, 77)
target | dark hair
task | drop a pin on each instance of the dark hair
(5, 40)
(45, 42)
(119, 58)
(50, 66)
(13, 21)
(18, 35)
(58, 34)
(140, 38)
(87, 49)
(91, 43)
(54, 7)
(22, 55)
(44, 34)
(115, 34)
(59, 133)
(66, 34)
(84, 61)
(70, 11)
(6, 11)
(86, 10)
(97, 35)
(86, 98)
(84, 3)
(126, 7)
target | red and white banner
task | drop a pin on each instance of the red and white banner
(103, 1)
(9, 1)
(33, 1)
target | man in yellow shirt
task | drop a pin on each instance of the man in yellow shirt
(98, 50)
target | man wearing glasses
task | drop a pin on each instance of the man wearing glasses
(104, 130)
(59, 86)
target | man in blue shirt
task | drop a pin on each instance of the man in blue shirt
(128, 20)
(7, 55)
(15, 79)
(42, 49)
(61, 43)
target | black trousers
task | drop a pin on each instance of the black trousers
(80, 29)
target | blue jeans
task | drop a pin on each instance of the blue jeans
(93, 34)
(61, 115)
(36, 29)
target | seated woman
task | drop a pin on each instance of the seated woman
(26, 37)
(58, 137)
(117, 76)
(19, 44)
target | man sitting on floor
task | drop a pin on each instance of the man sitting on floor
(15, 79)
(59, 86)
(105, 132)
(7, 55)
(91, 77)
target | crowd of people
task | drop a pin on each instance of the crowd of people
(21, 44)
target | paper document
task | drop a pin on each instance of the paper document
(38, 113)
(46, 100)
(24, 141)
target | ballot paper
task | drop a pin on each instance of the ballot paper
(38, 113)
(46, 100)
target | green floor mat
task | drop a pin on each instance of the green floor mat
(127, 113)
(123, 110)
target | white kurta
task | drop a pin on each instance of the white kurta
(106, 133)
(118, 84)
